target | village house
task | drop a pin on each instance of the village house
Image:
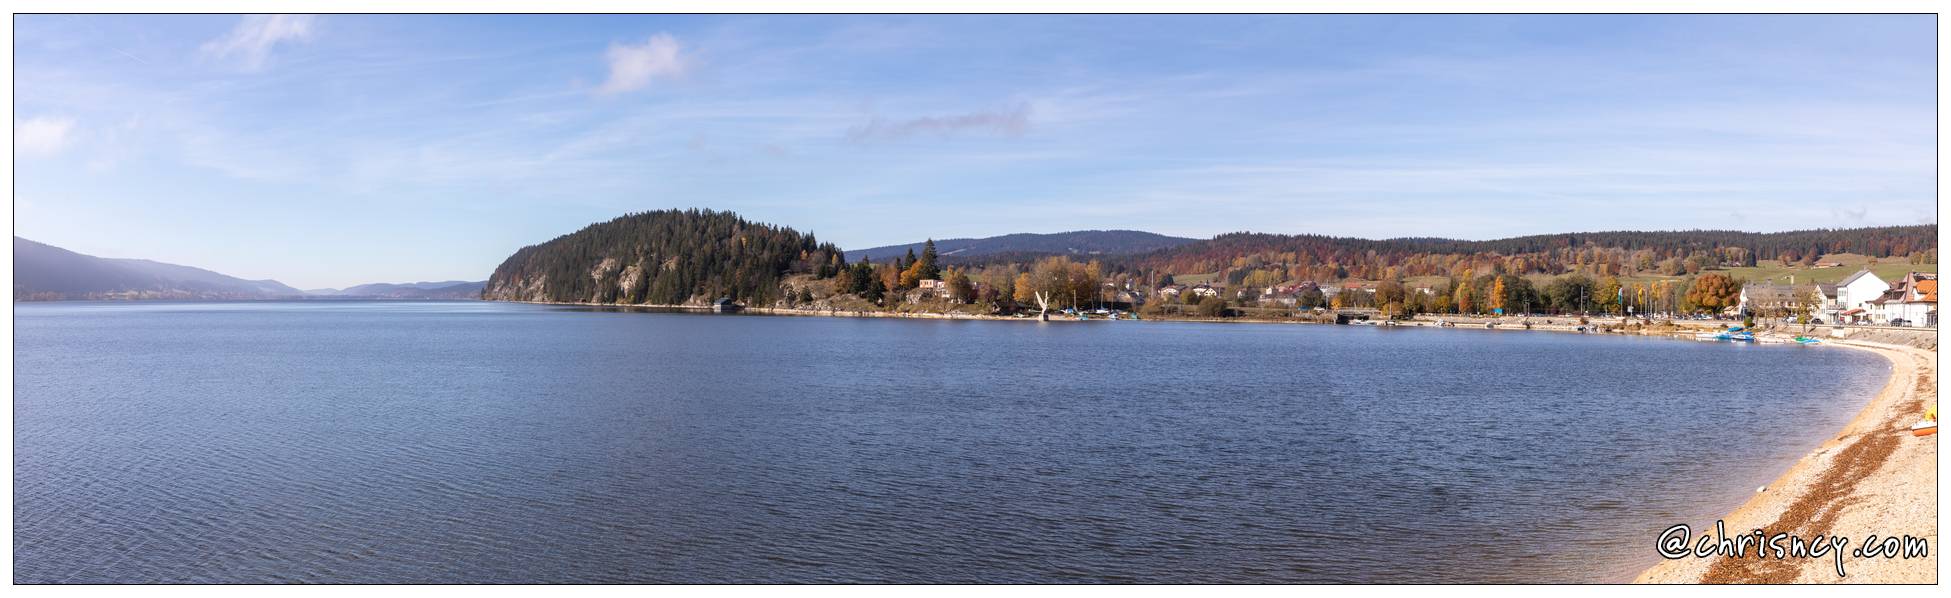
(1911, 301)
(1279, 295)
(1829, 305)
(1855, 293)
(1204, 290)
(1768, 299)
(930, 284)
(1170, 291)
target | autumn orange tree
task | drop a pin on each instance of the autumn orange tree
(1713, 292)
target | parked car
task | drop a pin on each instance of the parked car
(1900, 322)
(1815, 320)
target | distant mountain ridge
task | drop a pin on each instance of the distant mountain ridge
(1081, 242)
(46, 272)
(449, 289)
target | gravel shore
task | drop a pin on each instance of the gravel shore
(1872, 479)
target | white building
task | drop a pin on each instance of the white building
(1911, 301)
(1855, 293)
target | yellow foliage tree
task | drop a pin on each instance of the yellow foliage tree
(1025, 293)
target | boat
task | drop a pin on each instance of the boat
(1806, 340)
(1924, 427)
(1742, 337)
(1713, 336)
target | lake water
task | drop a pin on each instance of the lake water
(483, 442)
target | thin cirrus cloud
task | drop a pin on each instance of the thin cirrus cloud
(251, 42)
(1011, 122)
(43, 135)
(634, 66)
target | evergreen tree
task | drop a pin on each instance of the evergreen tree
(929, 268)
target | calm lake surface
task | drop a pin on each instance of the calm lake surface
(482, 442)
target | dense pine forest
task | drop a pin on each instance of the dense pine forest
(1323, 258)
(666, 257)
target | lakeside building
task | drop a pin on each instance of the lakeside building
(1769, 299)
(1285, 296)
(1911, 301)
(1829, 305)
(1854, 294)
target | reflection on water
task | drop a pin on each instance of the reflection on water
(482, 442)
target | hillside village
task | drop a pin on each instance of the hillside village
(918, 284)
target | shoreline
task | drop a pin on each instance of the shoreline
(1870, 478)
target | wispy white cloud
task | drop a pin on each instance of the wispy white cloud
(43, 135)
(633, 66)
(1011, 122)
(250, 43)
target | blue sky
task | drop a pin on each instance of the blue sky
(340, 149)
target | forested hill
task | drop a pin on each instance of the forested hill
(1080, 242)
(663, 258)
(1338, 257)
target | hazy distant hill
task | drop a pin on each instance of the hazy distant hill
(46, 272)
(449, 289)
(1087, 242)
